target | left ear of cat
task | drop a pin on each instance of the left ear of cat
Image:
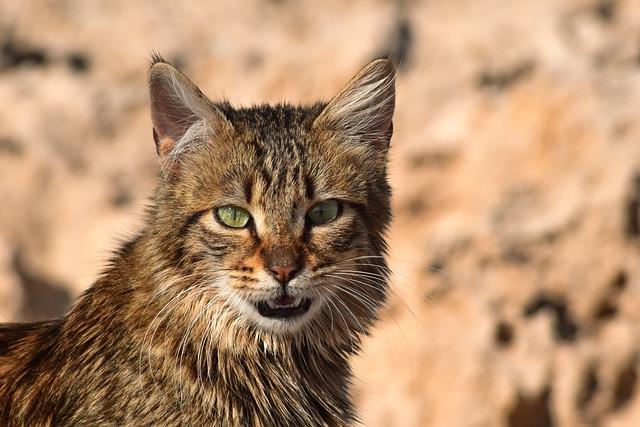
(179, 110)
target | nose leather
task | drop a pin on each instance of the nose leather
(282, 262)
(283, 274)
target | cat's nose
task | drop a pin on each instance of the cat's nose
(283, 273)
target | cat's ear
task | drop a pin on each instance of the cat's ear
(364, 108)
(176, 105)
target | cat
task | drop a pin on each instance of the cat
(260, 268)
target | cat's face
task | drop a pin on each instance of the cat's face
(280, 210)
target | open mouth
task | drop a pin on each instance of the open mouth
(283, 307)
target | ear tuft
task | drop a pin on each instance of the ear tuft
(364, 108)
(156, 57)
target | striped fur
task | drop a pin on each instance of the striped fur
(168, 334)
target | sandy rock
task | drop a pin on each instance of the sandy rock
(515, 163)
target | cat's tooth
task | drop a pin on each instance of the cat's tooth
(271, 304)
(297, 301)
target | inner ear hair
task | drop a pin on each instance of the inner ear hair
(365, 106)
(180, 112)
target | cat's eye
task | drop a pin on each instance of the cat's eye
(233, 216)
(323, 212)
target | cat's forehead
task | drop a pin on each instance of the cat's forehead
(275, 159)
(278, 137)
(273, 126)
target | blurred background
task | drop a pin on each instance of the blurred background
(515, 164)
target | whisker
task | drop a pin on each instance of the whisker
(323, 299)
(404, 337)
(168, 308)
(183, 344)
(346, 324)
(361, 280)
(362, 329)
(367, 300)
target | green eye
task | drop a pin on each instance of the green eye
(323, 212)
(233, 216)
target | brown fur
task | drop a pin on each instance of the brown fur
(160, 338)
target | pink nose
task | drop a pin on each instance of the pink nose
(283, 273)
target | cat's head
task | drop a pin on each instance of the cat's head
(275, 216)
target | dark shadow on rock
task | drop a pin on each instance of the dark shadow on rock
(43, 298)
(398, 44)
(626, 384)
(504, 334)
(589, 388)
(14, 54)
(565, 328)
(502, 79)
(121, 196)
(78, 62)
(11, 146)
(531, 411)
(632, 209)
(605, 10)
(516, 254)
(607, 308)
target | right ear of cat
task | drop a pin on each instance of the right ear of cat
(364, 108)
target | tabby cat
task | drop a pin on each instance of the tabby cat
(260, 267)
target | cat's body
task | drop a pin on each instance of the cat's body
(92, 367)
(241, 301)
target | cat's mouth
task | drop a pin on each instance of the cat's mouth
(283, 307)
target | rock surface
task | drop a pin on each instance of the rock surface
(515, 163)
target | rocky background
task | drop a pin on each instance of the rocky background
(515, 163)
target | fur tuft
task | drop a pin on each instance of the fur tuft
(157, 58)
